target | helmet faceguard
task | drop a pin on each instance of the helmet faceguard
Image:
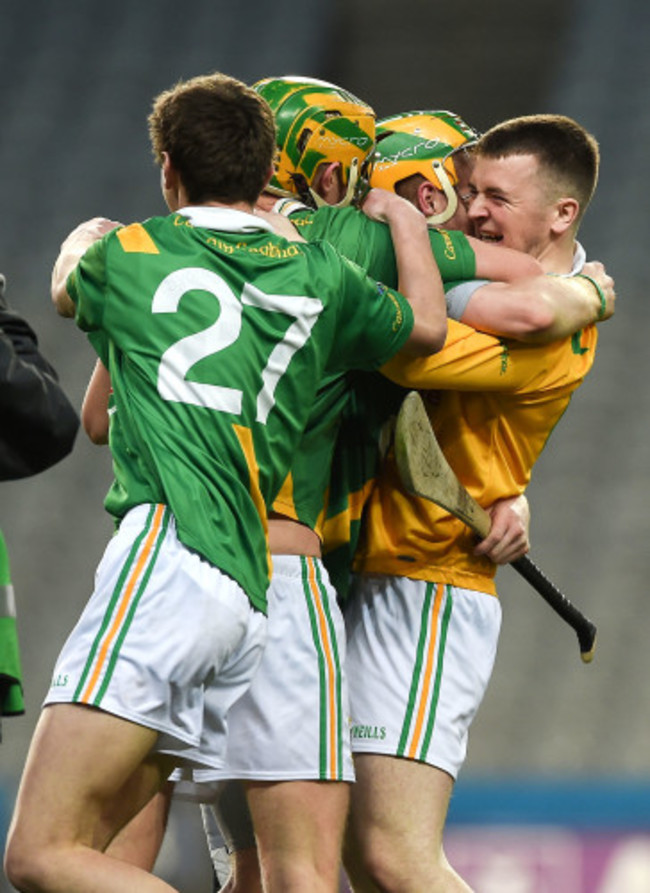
(422, 143)
(317, 123)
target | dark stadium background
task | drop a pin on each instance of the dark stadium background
(557, 744)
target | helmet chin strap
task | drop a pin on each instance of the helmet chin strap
(450, 193)
(280, 193)
(349, 192)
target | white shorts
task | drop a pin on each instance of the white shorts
(166, 640)
(420, 656)
(293, 722)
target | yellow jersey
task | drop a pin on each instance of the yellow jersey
(493, 404)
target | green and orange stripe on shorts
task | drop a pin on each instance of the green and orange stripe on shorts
(427, 673)
(130, 586)
(330, 672)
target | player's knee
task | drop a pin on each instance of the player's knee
(382, 869)
(369, 859)
(381, 860)
(24, 865)
(300, 874)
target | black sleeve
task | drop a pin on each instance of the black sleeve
(38, 424)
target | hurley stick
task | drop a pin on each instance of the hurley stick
(425, 472)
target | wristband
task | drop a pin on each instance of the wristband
(601, 295)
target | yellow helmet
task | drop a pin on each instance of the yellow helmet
(422, 142)
(317, 122)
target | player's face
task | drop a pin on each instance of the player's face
(508, 204)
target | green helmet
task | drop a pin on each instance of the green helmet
(422, 143)
(316, 122)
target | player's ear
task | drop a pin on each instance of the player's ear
(427, 199)
(567, 211)
(269, 174)
(171, 184)
(168, 174)
(329, 185)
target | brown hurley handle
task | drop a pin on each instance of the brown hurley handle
(425, 472)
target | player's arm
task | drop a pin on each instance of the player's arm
(475, 361)
(281, 224)
(72, 250)
(418, 278)
(94, 409)
(501, 264)
(541, 309)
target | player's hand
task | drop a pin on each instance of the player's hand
(597, 272)
(86, 233)
(73, 248)
(83, 236)
(381, 205)
(508, 536)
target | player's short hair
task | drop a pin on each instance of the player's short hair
(220, 137)
(565, 151)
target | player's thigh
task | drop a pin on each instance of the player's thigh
(400, 803)
(83, 765)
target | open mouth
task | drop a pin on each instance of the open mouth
(489, 237)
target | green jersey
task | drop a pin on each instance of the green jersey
(364, 433)
(307, 489)
(337, 460)
(217, 333)
(370, 245)
(304, 492)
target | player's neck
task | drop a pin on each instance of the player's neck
(557, 257)
(266, 201)
(246, 207)
(179, 200)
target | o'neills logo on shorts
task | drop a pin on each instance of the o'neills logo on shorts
(61, 680)
(376, 732)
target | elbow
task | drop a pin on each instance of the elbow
(97, 434)
(99, 438)
(437, 337)
(62, 301)
(63, 304)
(95, 425)
(427, 340)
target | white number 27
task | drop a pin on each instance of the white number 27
(181, 356)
